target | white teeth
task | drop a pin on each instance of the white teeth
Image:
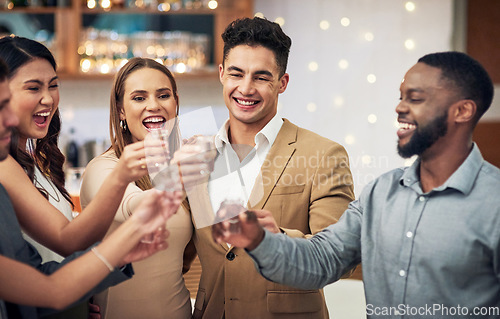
(154, 119)
(406, 126)
(248, 103)
(43, 114)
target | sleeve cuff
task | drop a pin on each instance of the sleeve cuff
(261, 253)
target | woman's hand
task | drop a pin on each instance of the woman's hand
(144, 250)
(151, 216)
(132, 163)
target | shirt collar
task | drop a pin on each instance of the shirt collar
(221, 137)
(269, 132)
(462, 179)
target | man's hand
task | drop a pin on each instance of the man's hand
(266, 220)
(195, 160)
(250, 232)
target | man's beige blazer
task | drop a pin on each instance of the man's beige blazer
(307, 185)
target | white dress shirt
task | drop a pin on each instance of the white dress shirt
(232, 179)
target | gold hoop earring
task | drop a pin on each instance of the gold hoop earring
(123, 125)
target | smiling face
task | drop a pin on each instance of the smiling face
(423, 110)
(148, 102)
(35, 98)
(251, 85)
(7, 119)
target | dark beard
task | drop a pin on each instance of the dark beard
(424, 137)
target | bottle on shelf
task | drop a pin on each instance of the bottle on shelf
(72, 150)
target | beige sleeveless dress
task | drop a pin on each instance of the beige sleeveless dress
(157, 289)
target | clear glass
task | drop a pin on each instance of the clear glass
(163, 175)
(229, 210)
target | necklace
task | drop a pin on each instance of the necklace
(30, 148)
(40, 186)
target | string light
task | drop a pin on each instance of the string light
(345, 22)
(349, 139)
(338, 101)
(410, 6)
(369, 36)
(311, 107)
(371, 78)
(313, 66)
(366, 159)
(410, 44)
(372, 118)
(324, 25)
(343, 64)
(280, 21)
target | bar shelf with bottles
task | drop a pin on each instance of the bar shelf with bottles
(106, 51)
(170, 6)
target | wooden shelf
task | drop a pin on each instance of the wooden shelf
(209, 72)
(36, 10)
(151, 10)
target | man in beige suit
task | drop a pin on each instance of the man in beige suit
(299, 176)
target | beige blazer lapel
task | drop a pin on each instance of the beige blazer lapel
(276, 161)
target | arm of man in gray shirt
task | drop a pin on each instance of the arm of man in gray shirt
(312, 263)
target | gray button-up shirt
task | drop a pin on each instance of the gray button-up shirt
(434, 254)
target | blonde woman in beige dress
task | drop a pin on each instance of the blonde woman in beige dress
(143, 98)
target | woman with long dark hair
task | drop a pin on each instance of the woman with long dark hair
(33, 173)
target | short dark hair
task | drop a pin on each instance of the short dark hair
(258, 31)
(4, 71)
(466, 75)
